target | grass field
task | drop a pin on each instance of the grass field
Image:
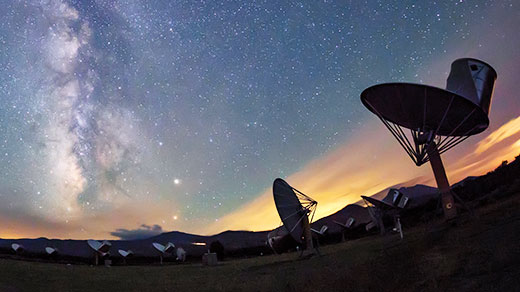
(480, 253)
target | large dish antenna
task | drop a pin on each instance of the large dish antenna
(437, 119)
(295, 208)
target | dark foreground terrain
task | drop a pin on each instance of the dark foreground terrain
(476, 253)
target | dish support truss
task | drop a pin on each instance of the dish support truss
(419, 142)
(423, 145)
(308, 208)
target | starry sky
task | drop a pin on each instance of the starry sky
(137, 117)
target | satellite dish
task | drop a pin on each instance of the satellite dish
(100, 248)
(294, 209)
(348, 224)
(168, 249)
(51, 250)
(181, 254)
(158, 247)
(397, 198)
(125, 253)
(17, 247)
(403, 202)
(378, 209)
(437, 119)
(322, 230)
(345, 226)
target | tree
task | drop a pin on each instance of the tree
(217, 248)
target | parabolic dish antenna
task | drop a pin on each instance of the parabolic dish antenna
(125, 253)
(17, 247)
(345, 226)
(379, 209)
(100, 248)
(50, 250)
(181, 254)
(294, 209)
(158, 247)
(168, 249)
(437, 119)
(348, 224)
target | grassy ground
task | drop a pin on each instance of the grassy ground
(480, 253)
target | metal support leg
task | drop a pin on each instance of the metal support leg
(307, 233)
(448, 204)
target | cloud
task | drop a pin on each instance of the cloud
(144, 231)
(507, 130)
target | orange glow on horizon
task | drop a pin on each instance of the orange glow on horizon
(343, 175)
(369, 165)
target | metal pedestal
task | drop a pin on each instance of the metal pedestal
(448, 204)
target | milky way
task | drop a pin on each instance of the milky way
(178, 112)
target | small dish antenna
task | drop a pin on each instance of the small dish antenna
(322, 230)
(51, 250)
(17, 247)
(437, 119)
(345, 226)
(399, 199)
(378, 209)
(163, 250)
(181, 254)
(101, 248)
(295, 208)
(125, 254)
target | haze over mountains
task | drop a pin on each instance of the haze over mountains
(196, 245)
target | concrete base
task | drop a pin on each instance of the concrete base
(209, 259)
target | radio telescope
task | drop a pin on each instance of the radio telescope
(378, 209)
(100, 248)
(345, 226)
(17, 247)
(125, 254)
(437, 119)
(168, 249)
(181, 254)
(294, 208)
(51, 250)
(322, 230)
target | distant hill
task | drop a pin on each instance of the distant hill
(232, 240)
(496, 184)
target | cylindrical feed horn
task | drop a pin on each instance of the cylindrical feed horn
(473, 80)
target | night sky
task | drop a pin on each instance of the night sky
(178, 113)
